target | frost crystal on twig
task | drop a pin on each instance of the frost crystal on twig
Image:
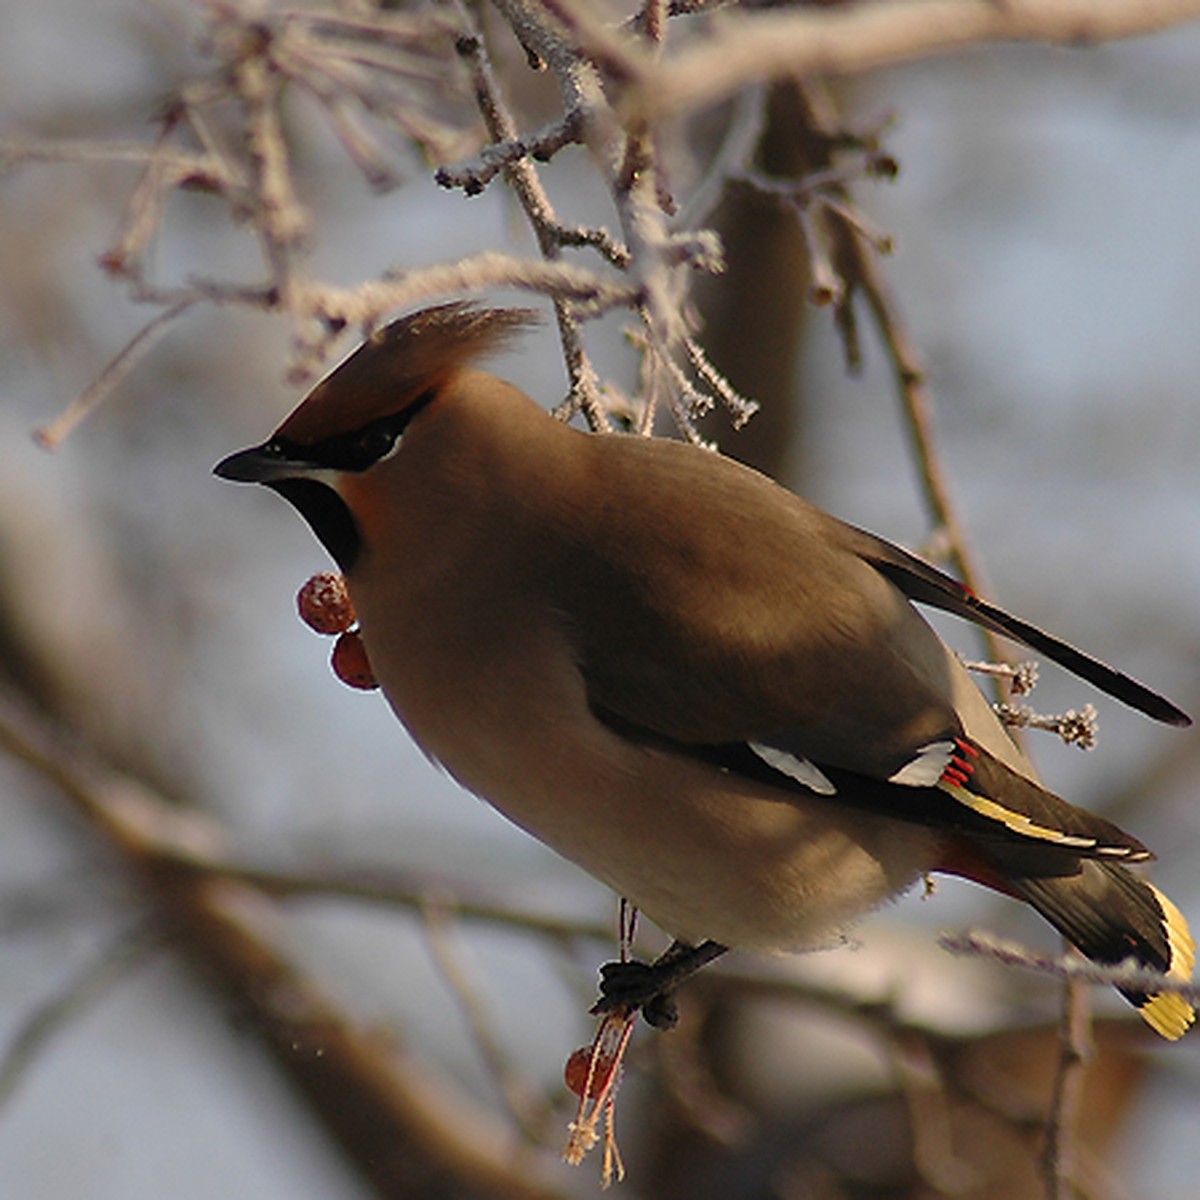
(1076, 728)
(1022, 677)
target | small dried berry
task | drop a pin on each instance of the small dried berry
(350, 663)
(575, 1073)
(324, 604)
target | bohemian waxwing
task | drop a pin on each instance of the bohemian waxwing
(709, 694)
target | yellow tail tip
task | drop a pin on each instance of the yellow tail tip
(1168, 1013)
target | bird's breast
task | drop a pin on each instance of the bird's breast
(704, 853)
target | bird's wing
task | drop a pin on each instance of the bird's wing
(749, 625)
(777, 642)
(920, 581)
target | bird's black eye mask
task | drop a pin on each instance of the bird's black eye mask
(327, 516)
(357, 450)
(316, 500)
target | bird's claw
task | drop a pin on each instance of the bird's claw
(637, 985)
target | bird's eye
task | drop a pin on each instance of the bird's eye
(372, 444)
(359, 449)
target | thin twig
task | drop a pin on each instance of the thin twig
(474, 176)
(16, 152)
(732, 159)
(833, 230)
(50, 1018)
(527, 1113)
(393, 1119)
(523, 177)
(919, 1079)
(391, 892)
(1021, 677)
(1074, 727)
(1060, 1154)
(281, 221)
(917, 404)
(50, 436)
(364, 306)
(1128, 975)
(740, 409)
(689, 1079)
(576, 43)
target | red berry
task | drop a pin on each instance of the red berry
(575, 1073)
(324, 604)
(350, 663)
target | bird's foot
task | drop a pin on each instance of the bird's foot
(636, 985)
(649, 987)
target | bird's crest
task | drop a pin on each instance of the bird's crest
(399, 363)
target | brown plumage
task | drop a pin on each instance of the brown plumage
(708, 693)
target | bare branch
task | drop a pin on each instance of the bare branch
(1021, 677)
(746, 48)
(551, 235)
(391, 891)
(1060, 1155)
(1128, 975)
(930, 1110)
(50, 436)
(15, 152)
(528, 1114)
(1075, 728)
(365, 305)
(394, 1118)
(49, 1019)
(473, 177)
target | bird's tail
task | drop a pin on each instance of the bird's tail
(1112, 915)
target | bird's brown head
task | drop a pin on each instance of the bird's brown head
(355, 417)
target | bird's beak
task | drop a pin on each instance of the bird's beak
(261, 464)
(310, 487)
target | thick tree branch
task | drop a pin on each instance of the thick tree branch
(400, 1125)
(746, 48)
